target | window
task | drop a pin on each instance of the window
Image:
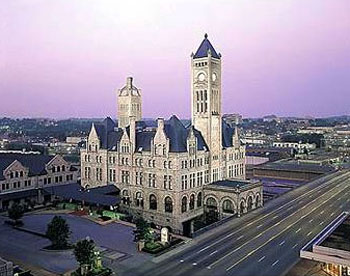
(184, 204)
(192, 202)
(152, 202)
(125, 177)
(139, 199)
(168, 205)
(63, 168)
(199, 199)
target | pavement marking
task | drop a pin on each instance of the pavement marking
(240, 237)
(325, 182)
(263, 257)
(282, 243)
(321, 222)
(308, 234)
(285, 229)
(212, 253)
(295, 245)
(298, 230)
(276, 262)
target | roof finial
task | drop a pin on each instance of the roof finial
(205, 35)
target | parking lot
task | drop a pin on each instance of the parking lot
(115, 240)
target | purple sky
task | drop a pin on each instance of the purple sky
(66, 58)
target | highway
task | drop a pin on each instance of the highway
(264, 242)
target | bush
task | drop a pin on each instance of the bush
(153, 247)
(16, 213)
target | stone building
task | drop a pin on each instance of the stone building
(24, 176)
(162, 166)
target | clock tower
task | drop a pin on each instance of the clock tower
(206, 100)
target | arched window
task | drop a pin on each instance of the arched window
(152, 202)
(192, 202)
(211, 202)
(184, 204)
(250, 203)
(227, 206)
(168, 205)
(139, 199)
(199, 199)
(126, 198)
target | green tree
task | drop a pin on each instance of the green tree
(143, 230)
(84, 252)
(58, 232)
(16, 213)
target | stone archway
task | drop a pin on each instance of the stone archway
(211, 210)
(242, 207)
(250, 204)
(258, 200)
(228, 206)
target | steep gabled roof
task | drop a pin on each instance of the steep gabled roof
(106, 133)
(177, 134)
(204, 47)
(34, 162)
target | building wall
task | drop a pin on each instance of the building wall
(17, 179)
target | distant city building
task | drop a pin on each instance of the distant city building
(297, 146)
(233, 119)
(169, 173)
(290, 170)
(23, 176)
(75, 140)
(271, 118)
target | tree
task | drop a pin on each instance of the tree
(84, 252)
(16, 213)
(58, 232)
(143, 230)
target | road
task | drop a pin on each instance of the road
(264, 242)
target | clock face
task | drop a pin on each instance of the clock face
(214, 77)
(201, 77)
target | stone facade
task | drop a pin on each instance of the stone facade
(161, 167)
